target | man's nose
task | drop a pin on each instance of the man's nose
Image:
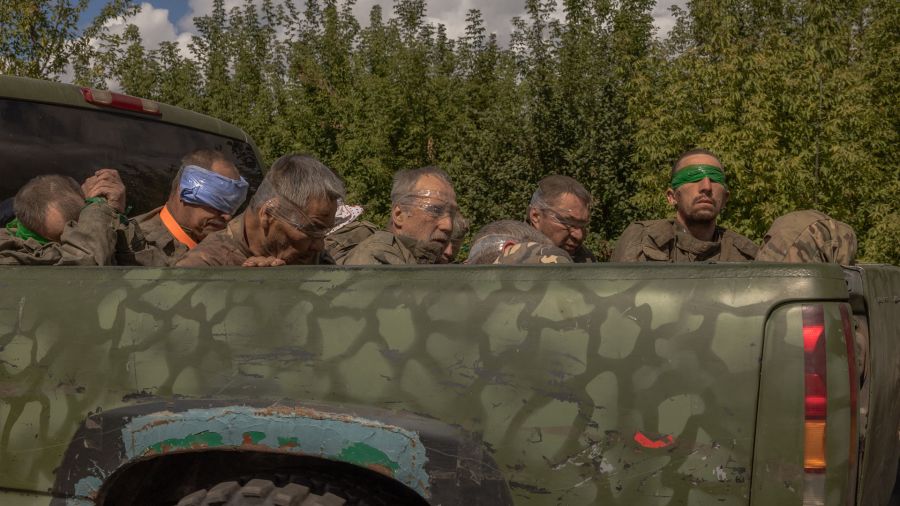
(577, 233)
(445, 223)
(226, 217)
(705, 184)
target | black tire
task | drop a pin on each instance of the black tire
(259, 493)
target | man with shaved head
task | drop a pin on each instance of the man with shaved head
(698, 194)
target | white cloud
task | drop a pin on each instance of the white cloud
(154, 26)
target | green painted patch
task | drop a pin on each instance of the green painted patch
(253, 437)
(288, 442)
(199, 440)
(364, 455)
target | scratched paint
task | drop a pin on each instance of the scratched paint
(85, 490)
(384, 448)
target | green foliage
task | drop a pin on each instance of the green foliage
(39, 37)
(800, 98)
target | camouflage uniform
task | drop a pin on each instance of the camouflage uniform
(228, 247)
(582, 255)
(383, 247)
(669, 241)
(533, 253)
(89, 241)
(341, 242)
(809, 237)
(161, 248)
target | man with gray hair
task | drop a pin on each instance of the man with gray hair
(423, 205)
(205, 195)
(510, 242)
(285, 223)
(56, 225)
(561, 209)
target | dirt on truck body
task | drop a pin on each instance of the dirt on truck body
(621, 384)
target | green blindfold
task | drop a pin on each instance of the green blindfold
(696, 173)
(16, 228)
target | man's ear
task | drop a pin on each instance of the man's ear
(534, 216)
(398, 217)
(265, 219)
(670, 197)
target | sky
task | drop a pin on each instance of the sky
(162, 20)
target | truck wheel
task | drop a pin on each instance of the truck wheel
(259, 493)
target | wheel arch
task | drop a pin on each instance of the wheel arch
(440, 463)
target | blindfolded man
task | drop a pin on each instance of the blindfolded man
(561, 209)
(285, 223)
(205, 195)
(423, 206)
(698, 193)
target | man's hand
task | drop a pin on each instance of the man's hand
(262, 262)
(106, 183)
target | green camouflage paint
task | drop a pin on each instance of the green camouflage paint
(630, 385)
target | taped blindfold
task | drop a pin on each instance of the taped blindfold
(206, 188)
(697, 172)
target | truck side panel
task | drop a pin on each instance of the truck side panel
(587, 384)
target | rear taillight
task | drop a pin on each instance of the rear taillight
(108, 98)
(816, 405)
(815, 462)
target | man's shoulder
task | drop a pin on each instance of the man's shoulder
(746, 247)
(382, 247)
(220, 248)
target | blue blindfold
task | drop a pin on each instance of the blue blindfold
(206, 188)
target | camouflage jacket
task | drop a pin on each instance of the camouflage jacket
(582, 255)
(161, 249)
(92, 240)
(228, 247)
(383, 247)
(533, 253)
(341, 242)
(809, 237)
(668, 241)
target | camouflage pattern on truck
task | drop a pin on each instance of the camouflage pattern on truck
(596, 384)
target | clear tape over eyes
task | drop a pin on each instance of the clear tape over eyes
(558, 215)
(204, 187)
(295, 217)
(436, 203)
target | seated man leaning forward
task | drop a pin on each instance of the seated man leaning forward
(56, 225)
(205, 194)
(423, 204)
(285, 223)
(698, 194)
(809, 237)
(510, 242)
(561, 209)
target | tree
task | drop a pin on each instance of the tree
(39, 38)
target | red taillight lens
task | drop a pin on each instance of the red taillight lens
(816, 404)
(107, 98)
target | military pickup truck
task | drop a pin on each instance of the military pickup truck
(705, 384)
